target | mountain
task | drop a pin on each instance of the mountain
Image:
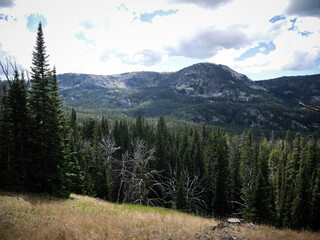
(205, 92)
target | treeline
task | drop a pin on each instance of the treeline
(199, 170)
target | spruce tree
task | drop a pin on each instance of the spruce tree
(104, 127)
(74, 173)
(260, 204)
(39, 108)
(5, 160)
(162, 145)
(291, 172)
(183, 153)
(180, 200)
(196, 164)
(235, 177)
(18, 120)
(49, 152)
(315, 210)
(220, 188)
(301, 207)
(247, 167)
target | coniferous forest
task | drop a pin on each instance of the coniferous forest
(199, 170)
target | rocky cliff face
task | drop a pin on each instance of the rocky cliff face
(211, 80)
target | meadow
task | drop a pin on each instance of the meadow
(28, 216)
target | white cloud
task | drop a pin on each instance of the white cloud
(6, 3)
(105, 37)
(304, 8)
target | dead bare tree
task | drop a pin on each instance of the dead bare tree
(138, 182)
(5, 67)
(108, 148)
(124, 175)
(194, 188)
(144, 179)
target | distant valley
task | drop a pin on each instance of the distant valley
(205, 92)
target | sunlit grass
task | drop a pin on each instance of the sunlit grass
(26, 216)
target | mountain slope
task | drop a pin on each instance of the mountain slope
(305, 88)
(205, 92)
(27, 216)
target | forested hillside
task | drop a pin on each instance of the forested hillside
(205, 92)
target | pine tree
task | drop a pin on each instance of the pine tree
(235, 178)
(162, 145)
(291, 171)
(49, 160)
(138, 128)
(39, 108)
(260, 204)
(196, 164)
(183, 153)
(5, 160)
(74, 126)
(18, 129)
(180, 200)
(315, 210)
(220, 189)
(247, 167)
(301, 207)
(74, 173)
(210, 159)
(104, 127)
(58, 155)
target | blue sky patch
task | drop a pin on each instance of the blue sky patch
(148, 17)
(305, 33)
(122, 6)
(81, 36)
(6, 18)
(33, 21)
(263, 47)
(293, 27)
(277, 18)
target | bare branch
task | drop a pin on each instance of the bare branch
(308, 106)
(5, 69)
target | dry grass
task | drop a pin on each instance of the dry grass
(32, 217)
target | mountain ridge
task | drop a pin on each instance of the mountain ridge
(204, 92)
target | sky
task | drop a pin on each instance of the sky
(262, 39)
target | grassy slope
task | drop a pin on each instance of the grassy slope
(26, 216)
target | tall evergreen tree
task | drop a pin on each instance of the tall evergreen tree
(104, 127)
(5, 159)
(291, 171)
(260, 204)
(39, 108)
(315, 204)
(181, 201)
(48, 162)
(235, 177)
(162, 145)
(302, 196)
(196, 164)
(220, 189)
(247, 167)
(18, 129)
(183, 153)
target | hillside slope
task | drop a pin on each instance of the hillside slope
(205, 92)
(26, 216)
